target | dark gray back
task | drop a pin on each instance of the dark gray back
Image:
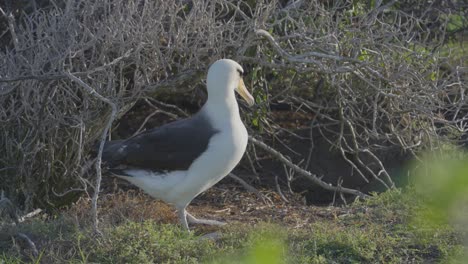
(173, 146)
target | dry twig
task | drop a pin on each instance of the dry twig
(250, 188)
(306, 174)
(383, 84)
(97, 186)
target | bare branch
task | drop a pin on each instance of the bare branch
(372, 81)
(29, 243)
(113, 107)
(7, 206)
(11, 25)
(29, 215)
(249, 187)
(306, 174)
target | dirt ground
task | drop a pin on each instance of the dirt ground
(229, 203)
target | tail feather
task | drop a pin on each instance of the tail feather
(110, 154)
(119, 172)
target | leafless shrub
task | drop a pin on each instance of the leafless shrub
(120, 49)
(379, 79)
(373, 78)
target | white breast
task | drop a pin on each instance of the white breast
(224, 152)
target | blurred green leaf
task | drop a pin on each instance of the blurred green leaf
(255, 121)
(266, 251)
(442, 182)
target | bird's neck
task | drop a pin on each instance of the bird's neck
(222, 108)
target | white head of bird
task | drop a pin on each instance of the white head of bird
(225, 77)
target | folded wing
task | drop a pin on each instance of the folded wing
(173, 146)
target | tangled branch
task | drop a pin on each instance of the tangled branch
(371, 78)
(312, 177)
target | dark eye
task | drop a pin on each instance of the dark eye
(241, 73)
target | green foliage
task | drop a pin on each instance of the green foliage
(266, 251)
(264, 244)
(7, 259)
(422, 223)
(259, 113)
(456, 52)
(150, 242)
(376, 230)
(357, 9)
(338, 244)
(442, 183)
(456, 22)
(57, 229)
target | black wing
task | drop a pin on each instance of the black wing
(173, 146)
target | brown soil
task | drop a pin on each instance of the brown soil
(229, 203)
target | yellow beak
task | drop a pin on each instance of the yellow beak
(242, 90)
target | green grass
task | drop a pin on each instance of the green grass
(378, 230)
(375, 231)
(397, 226)
(149, 242)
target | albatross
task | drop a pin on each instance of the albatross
(179, 160)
